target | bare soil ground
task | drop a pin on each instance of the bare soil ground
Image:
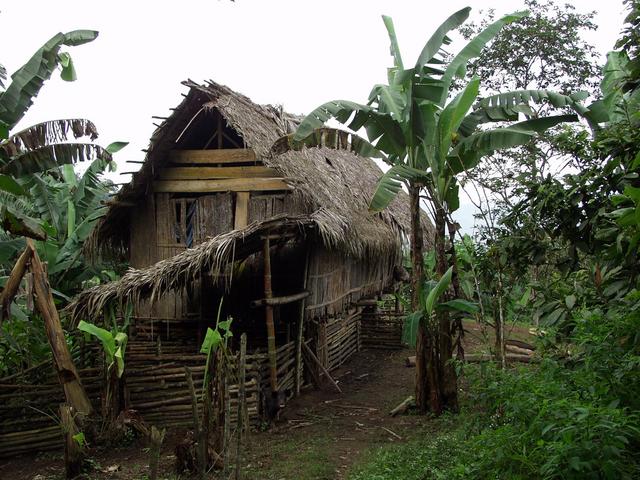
(320, 435)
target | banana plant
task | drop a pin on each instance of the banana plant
(214, 339)
(428, 134)
(430, 304)
(46, 145)
(114, 342)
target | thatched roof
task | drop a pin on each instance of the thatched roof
(337, 181)
(213, 257)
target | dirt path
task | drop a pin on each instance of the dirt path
(327, 431)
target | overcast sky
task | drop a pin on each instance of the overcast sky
(295, 53)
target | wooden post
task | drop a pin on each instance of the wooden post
(13, 282)
(300, 333)
(271, 334)
(155, 438)
(241, 402)
(68, 375)
(202, 442)
(72, 449)
(241, 217)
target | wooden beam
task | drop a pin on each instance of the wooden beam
(223, 185)
(68, 375)
(226, 155)
(279, 300)
(241, 218)
(204, 173)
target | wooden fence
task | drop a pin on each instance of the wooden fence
(29, 405)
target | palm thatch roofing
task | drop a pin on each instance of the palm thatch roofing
(336, 180)
(334, 185)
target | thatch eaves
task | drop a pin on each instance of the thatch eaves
(214, 257)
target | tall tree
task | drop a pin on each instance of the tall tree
(427, 136)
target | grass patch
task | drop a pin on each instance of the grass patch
(433, 452)
(287, 460)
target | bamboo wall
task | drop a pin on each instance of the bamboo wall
(337, 281)
(338, 338)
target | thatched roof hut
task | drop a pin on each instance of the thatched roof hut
(220, 210)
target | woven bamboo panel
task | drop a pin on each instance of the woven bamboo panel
(29, 405)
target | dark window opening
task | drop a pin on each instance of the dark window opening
(184, 225)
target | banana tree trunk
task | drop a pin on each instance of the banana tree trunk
(422, 393)
(449, 381)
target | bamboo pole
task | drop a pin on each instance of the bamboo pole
(241, 404)
(74, 391)
(300, 333)
(271, 335)
(13, 282)
(273, 301)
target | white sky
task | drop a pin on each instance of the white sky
(295, 53)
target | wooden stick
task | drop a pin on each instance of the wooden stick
(324, 370)
(155, 438)
(241, 403)
(403, 406)
(67, 373)
(271, 334)
(391, 432)
(13, 282)
(273, 301)
(226, 446)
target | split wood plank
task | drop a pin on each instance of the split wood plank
(222, 185)
(205, 173)
(227, 155)
(241, 218)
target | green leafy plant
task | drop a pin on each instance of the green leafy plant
(430, 304)
(114, 342)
